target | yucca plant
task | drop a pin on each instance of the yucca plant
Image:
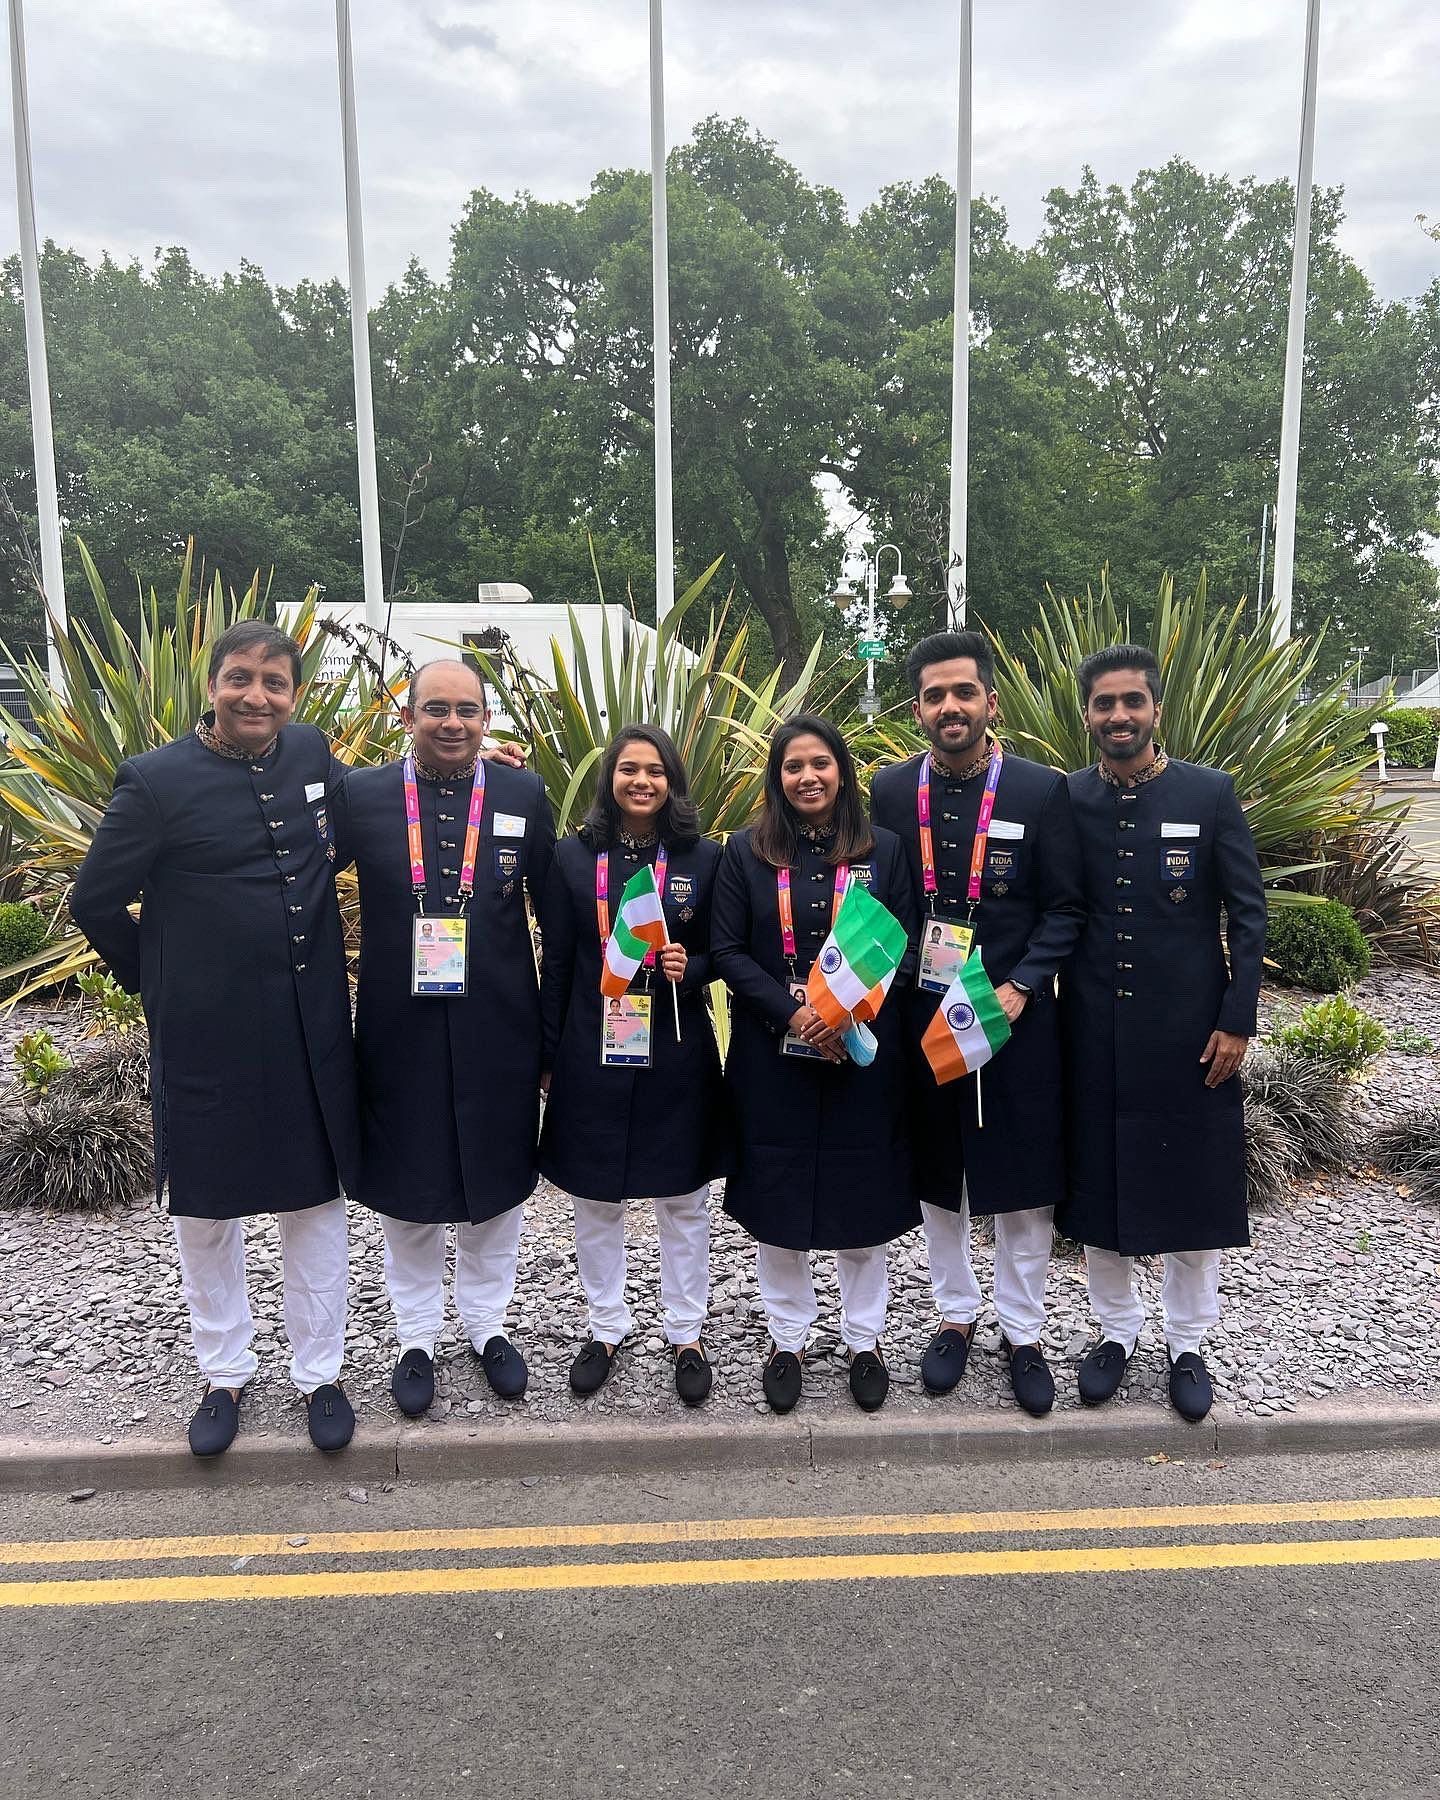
(123, 695)
(1233, 700)
(720, 723)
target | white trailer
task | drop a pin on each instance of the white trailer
(503, 615)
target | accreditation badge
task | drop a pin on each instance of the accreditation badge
(792, 1044)
(625, 1032)
(437, 956)
(944, 949)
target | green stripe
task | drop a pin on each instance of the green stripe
(868, 936)
(640, 885)
(989, 1013)
(634, 949)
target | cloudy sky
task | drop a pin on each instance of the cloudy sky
(214, 123)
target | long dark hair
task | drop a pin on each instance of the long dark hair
(775, 835)
(678, 821)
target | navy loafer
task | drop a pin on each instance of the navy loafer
(1191, 1394)
(413, 1383)
(692, 1376)
(217, 1419)
(945, 1358)
(869, 1380)
(1030, 1379)
(330, 1417)
(1101, 1372)
(783, 1381)
(592, 1368)
(504, 1368)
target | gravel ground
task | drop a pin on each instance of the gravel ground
(1341, 1289)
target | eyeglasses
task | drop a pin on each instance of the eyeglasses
(441, 709)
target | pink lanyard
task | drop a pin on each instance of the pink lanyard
(417, 842)
(602, 894)
(982, 827)
(787, 909)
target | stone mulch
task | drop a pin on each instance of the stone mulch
(1340, 1289)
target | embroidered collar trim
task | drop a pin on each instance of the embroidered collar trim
(977, 765)
(212, 740)
(636, 840)
(1148, 773)
(464, 774)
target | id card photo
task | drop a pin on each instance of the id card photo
(944, 948)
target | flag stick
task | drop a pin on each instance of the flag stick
(979, 1100)
(674, 986)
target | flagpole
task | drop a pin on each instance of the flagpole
(660, 325)
(674, 985)
(47, 499)
(360, 331)
(956, 572)
(1284, 566)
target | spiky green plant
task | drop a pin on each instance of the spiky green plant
(122, 695)
(1308, 1096)
(720, 723)
(1233, 700)
(76, 1153)
(1407, 1146)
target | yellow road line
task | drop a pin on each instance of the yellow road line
(714, 1531)
(713, 1572)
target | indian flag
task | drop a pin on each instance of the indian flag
(857, 962)
(969, 1025)
(639, 928)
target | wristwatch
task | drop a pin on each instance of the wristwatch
(1020, 987)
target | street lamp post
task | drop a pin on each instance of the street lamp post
(872, 648)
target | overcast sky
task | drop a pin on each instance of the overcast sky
(214, 123)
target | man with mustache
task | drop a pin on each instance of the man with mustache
(239, 959)
(1156, 1026)
(996, 870)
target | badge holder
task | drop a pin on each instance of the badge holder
(945, 946)
(438, 957)
(792, 1044)
(625, 1031)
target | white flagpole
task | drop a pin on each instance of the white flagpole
(1284, 569)
(956, 573)
(47, 500)
(360, 332)
(660, 283)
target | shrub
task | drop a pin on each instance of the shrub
(1318, 947)
(118, 1070)
(1307, 1096)
(23, 931)
(1272, 1154)
(1410, 743)
(1370, 867)
(76, 1154)
(117, 1012)
(38, 1060)
(1408, 1147)
(1336, 1032)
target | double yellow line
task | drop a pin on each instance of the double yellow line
(131, 1590)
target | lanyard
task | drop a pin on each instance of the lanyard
(787, 909)
(602, 894)
(417, 842)
(982, 827)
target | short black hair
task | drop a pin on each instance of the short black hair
(1119, 656)
(450, 662)
(246, 635)
(679, 820)
(948, 646)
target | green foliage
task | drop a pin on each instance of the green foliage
(1233, 700)
(1367, 865)
(1334, 1031)
(38, 1060)
(117, 1013)
(1413, 733)
(1405, 1040)
(1272, 1155)
(118, 1070)
(1318, 947)
(22, 931)
(1407, 1146)
(720, 723)
(76, 1154)
(124, 694)
(1307, 1096)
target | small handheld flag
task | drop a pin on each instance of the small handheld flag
(640, 910)
(624, 955)
(968, 1028)
(857, 962)
(639, 929)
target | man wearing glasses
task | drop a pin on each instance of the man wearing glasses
(447, 1028)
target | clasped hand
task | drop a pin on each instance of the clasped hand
(807, 1024)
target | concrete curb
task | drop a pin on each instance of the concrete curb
(448, 1452)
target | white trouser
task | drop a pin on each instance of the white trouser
(683, 1224)
(317, 1270)
(1189, 1296)
(787, 1288)
(1022, 1261)
(486, 1258)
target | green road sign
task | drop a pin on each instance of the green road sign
(871, 650)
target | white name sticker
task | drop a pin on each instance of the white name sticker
(509, 825)
(1007, 828)
(1170, 830)
(314, 790)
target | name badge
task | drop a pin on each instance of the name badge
(625, 1032)
(314, 790)
(1007, 828)
(438, 956)
(944, 949)
(509, 825)
(1173, 829)
(792, 1044)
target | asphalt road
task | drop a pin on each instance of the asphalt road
(1422, 826)
(880, 1632)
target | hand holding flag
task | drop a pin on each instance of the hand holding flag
(969, 1025)
(857, 962)
(639, 929)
